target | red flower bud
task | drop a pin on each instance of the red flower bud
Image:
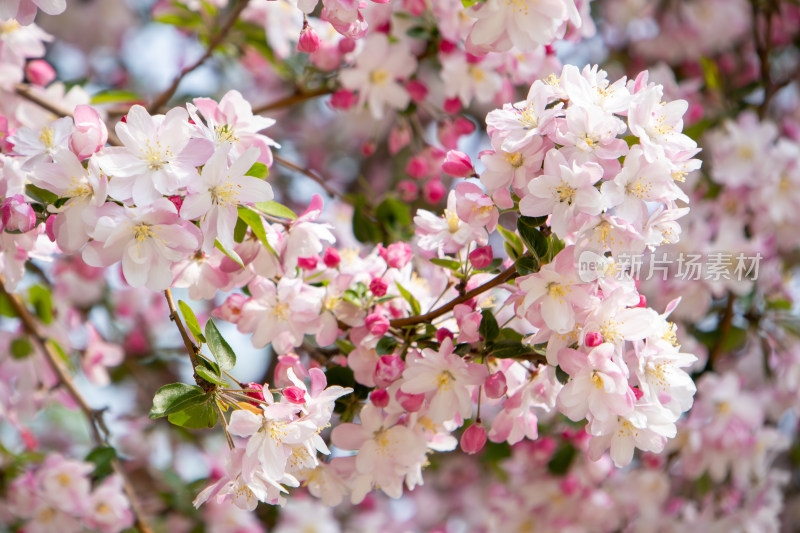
(474, 438)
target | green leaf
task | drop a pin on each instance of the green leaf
(527, 265)
(532, 237)
(102, 459)
(562, 376)
(42, 302)
(386, 346)
(21, 348)
(513, 244)
(365, 229)
(5, 307)
(219, 347)
(452, 264)
(209, 376)
(239, 230)
(252, 219)
(510, 349)
(115, 96)
(258, 170)
(561, 460)
(418, 32)
(230, 253)
(394, 214)
(40, 195)
(488, 327)
(415, 308)
(191, 322)
(175, 397)
(345, 346)
(276, 210)
(196, 417)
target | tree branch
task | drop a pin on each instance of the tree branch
(187, 341)
(94, 416)
(294, 98)
(322, 182)
(216, 40)
(507, 275)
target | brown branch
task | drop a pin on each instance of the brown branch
(94, 416)
(321, 181)
(187, 341)
(507, 275)
(216, 40)
(294, 98)
(724, 327)
(25, 92)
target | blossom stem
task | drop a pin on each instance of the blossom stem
(94, 416)
(507, 275)
(215, 40)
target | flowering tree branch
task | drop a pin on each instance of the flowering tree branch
(322, 182)
(506, 275)
(187, 341)
(215, 40)
(94, 416)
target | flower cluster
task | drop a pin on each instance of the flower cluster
(58, 496)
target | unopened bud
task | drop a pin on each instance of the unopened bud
(309, 40)
(39, 72)
(295, 395)
(495, 385)
(379, 398)
(377, 324)
(474, 438)
(378, 287)
(331, 258)
(458, 164)
(481, 257)
(593, 338)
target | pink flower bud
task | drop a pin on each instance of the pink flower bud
(347, 45)
(90, 132)
(415, 7)
(444, 333)
(377, 324)
(255, 391)
(433, 191)
(593, 338)
(49, 227)
(343, 99)
(378, 287)
(379, 398)
(409, 191)
(397, 254)
(637, 392)
(399, 138)
(464, 126)
(295, 395)
(331, 257)
(308, 263)
(410, 402)
(481, 257)
(446, 47)
(452, 105)
(495, 385)
(417, 91)
(388, 370)
(368, 148)
(642, 301)
(17, 215)
(39, 72)
(458, 164)
(309, 40)
(418, 167)
(474, 438)
(231, 309)
(177, 201)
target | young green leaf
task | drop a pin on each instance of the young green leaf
(415, 308)
(209, 376)
(198, 416)
(175, 397)
(224, 355)
(276, 210)
(488, 327)
(230, 253)
(252, 219)
(258, 170)
(191, 322)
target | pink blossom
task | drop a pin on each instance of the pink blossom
(474, 207)
(17, 215)
(397, 254)
(90, 133)
(388, 370)
(107, 509)
(495, 385)
(98, 356)
(377, 324)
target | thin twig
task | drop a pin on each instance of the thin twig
(27, 93)
(322, 182)
(94, 416)
(294, 98)
(508, 274)
(723, 328)
(216, 40)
